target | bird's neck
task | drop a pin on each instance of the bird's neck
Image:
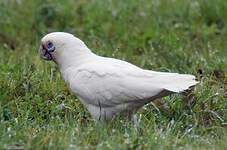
(75, 57)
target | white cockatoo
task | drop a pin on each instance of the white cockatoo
(107, 86)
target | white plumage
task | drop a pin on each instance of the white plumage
(108, 86)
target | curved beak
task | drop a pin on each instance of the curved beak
(44, 54)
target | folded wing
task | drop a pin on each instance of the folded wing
(113, 82)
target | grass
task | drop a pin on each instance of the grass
(38, 112)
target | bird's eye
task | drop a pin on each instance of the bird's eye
(50, 47)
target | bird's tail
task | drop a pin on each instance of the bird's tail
(177, 82)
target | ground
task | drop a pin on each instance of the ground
(37, 111)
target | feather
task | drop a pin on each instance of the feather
(108, 86)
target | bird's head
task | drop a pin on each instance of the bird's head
(53, 44)
(61, 46)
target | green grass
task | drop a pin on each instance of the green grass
(185, 36)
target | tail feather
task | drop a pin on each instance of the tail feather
(178, 82)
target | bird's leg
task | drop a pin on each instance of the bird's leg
(132, 116)
(136, 121)
(100, 111)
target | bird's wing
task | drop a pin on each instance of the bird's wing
(115, 82)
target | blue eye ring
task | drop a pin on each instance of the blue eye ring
(50, 47)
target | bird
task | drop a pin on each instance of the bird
(108, 87)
